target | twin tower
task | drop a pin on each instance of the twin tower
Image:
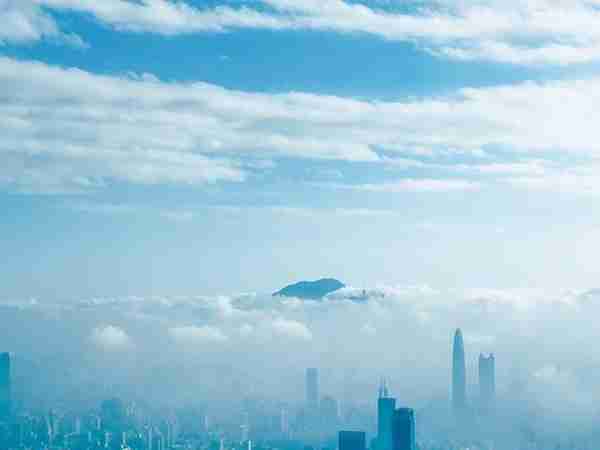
(487, 378)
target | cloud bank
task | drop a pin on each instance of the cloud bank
(67, 130)
(541, 339)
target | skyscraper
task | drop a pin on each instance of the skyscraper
(403, 429)
(114, 415)
(487, 381)
(329, 414)
(312, 389)
(352, 440)
(284, 424)
(385, 410)
(459, 394)
(5, 390)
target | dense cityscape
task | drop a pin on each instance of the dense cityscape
(318, 423)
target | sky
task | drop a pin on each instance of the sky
(159, 147)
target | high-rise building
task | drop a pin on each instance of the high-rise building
(329, 414)
(5, 389)
(284, 423)
(385, 410)
(487, 381)
(312, 389)
(150, 438)
(352, 440)
(403, 429)
(459, 382)
(114, 415)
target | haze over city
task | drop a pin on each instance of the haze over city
(299, 224)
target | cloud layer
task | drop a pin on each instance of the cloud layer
(218, 350)
(67, 130)
(528, 32)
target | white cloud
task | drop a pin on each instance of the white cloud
(519, 32)
(419, 185)
(192, 335)
(110, 337)
(169, 17)
(581, 181)
(24, 22)
(192, 213)
(291, 329)
(67, 130)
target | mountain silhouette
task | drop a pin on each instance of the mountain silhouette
(311, 290)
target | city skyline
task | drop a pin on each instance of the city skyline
(114, 426)
(123, 425)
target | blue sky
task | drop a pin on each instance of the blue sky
(151, 147)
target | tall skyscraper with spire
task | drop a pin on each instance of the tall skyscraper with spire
(487, 381)
(459, 382)
(385, 411)
(5, 390)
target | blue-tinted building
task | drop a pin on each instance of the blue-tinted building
(487, 382)
(403, 429)
(385, 411)
(312, 389)
(352, 440)
(5, 389)
(459, 377)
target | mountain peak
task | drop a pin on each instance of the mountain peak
(311, 290)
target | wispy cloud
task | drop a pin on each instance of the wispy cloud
(191, 213)
(190, 335)
(414, 185)
(516, 32)
(24, 22)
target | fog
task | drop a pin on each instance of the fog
(218, 351)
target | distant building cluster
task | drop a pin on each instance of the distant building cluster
(396, 428)
(317, 423)
(487, 378)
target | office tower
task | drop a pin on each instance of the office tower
(284, 424)
(245, 427)
(403, 429)
(114, 415)
(158, 441)
(150, 438)
(352, 440)
(329, 413)
(5, 389)
(487, 381)
(385, 410)
(459, 394)
(312, 389)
